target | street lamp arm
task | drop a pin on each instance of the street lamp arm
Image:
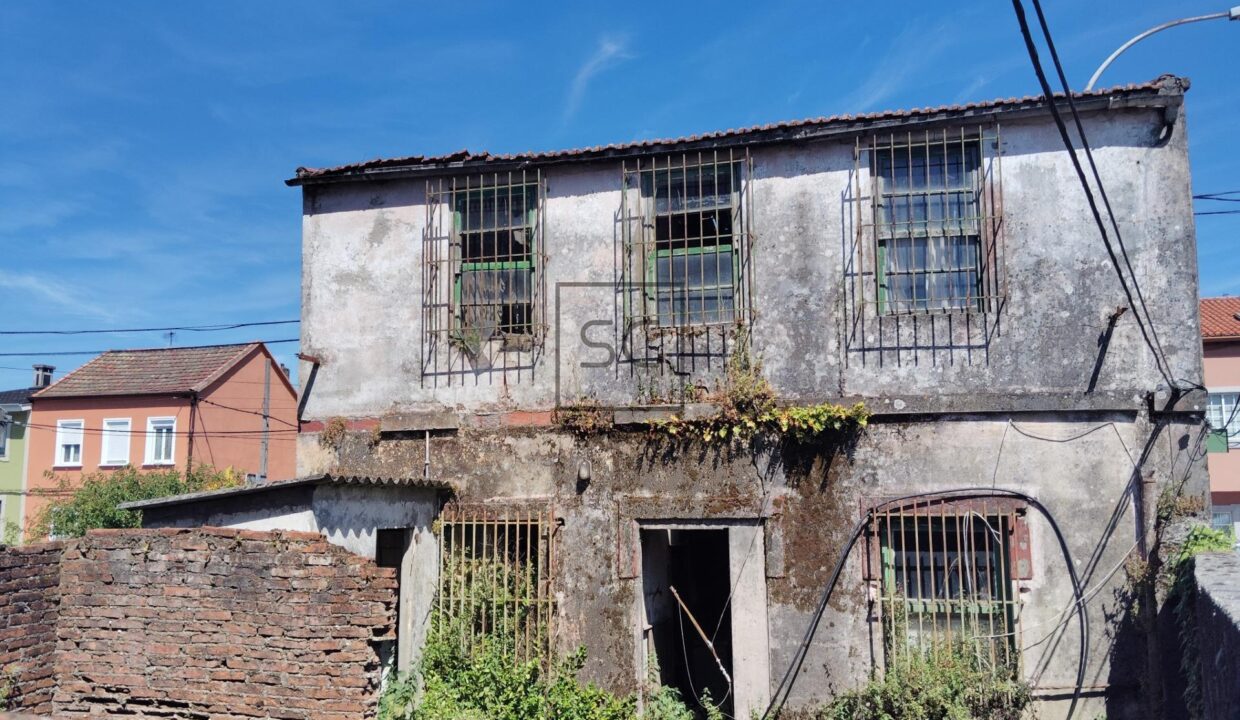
(1233, 14)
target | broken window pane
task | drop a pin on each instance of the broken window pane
(692, 266)
(947, 580)
(497, 301)
(929, 218)
(494, 281)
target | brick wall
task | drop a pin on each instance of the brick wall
(215, 623)
(29, 596)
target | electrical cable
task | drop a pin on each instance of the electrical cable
(139, 431)
(1078, 436)
(248, 412)
(1159, 360)
(1219, 212)
(178, 347)
(1062, 617)
(1089, 155)
(188, 328)
(780, 696)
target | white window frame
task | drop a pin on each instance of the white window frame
(5, 437)
(1227, 397)
(64, 432)
(149, 453)
(110, 437)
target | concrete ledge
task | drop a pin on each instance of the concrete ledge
(644, 415)
(420, 421)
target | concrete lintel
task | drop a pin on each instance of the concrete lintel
(1128, 401)
(420, 421)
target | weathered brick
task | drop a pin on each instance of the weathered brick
(221, 623)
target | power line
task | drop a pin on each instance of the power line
(230, 434)
(100, 352)
(1218, 196)
(1219, 212)
(248, 412)
(1106, 201)
(26, 369)
(189, 328)
(1151, 339)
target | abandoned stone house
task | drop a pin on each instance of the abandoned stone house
(524, 332)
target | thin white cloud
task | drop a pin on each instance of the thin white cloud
(610, 52)
(54, 293)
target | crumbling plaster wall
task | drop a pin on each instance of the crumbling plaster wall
(1081, 469)
(362, 284)
(361, 318)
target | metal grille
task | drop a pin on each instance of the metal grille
(926, 242)
(483, 304)
(496, 574)
(684, 259)
(947, 582)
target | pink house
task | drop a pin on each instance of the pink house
(227, 406)
(1220, 339)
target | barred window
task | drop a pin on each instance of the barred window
(483, 288)
(686, 252)
(928, 215)
(1222, 415)
(496, 579)
(947, 578)
(495, 269)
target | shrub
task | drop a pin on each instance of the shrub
(489, 682)
(1183, 601)
(93, 504)
(951, 684)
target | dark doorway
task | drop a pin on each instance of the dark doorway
(695, 563)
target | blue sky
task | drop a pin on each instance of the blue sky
(143, 145)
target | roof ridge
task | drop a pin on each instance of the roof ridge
(183, 347)
(151, 371)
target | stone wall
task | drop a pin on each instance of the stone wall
(29, 598)
(1218, 632)
(216, 623)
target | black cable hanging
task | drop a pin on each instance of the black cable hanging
(780, 696)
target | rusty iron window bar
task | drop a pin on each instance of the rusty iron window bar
(496, 579)
(946, 582)
(483, 280)
(936, 200)
(687, 239)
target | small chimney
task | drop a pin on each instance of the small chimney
(284, 369)
(43, 375)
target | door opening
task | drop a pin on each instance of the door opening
(696, 564)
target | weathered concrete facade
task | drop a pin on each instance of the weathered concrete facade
(1050, 393)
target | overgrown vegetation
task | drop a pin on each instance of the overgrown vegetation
(333, 433)
(585, 418)
(748, 405)
(949, 684)
(7, 685)
(486, 657)
(93, 504)
(1183, 599)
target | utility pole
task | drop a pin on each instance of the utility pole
(262, 461)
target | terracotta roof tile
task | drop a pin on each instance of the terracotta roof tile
(1166, 83)
(1218, 317)
(148, 372)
